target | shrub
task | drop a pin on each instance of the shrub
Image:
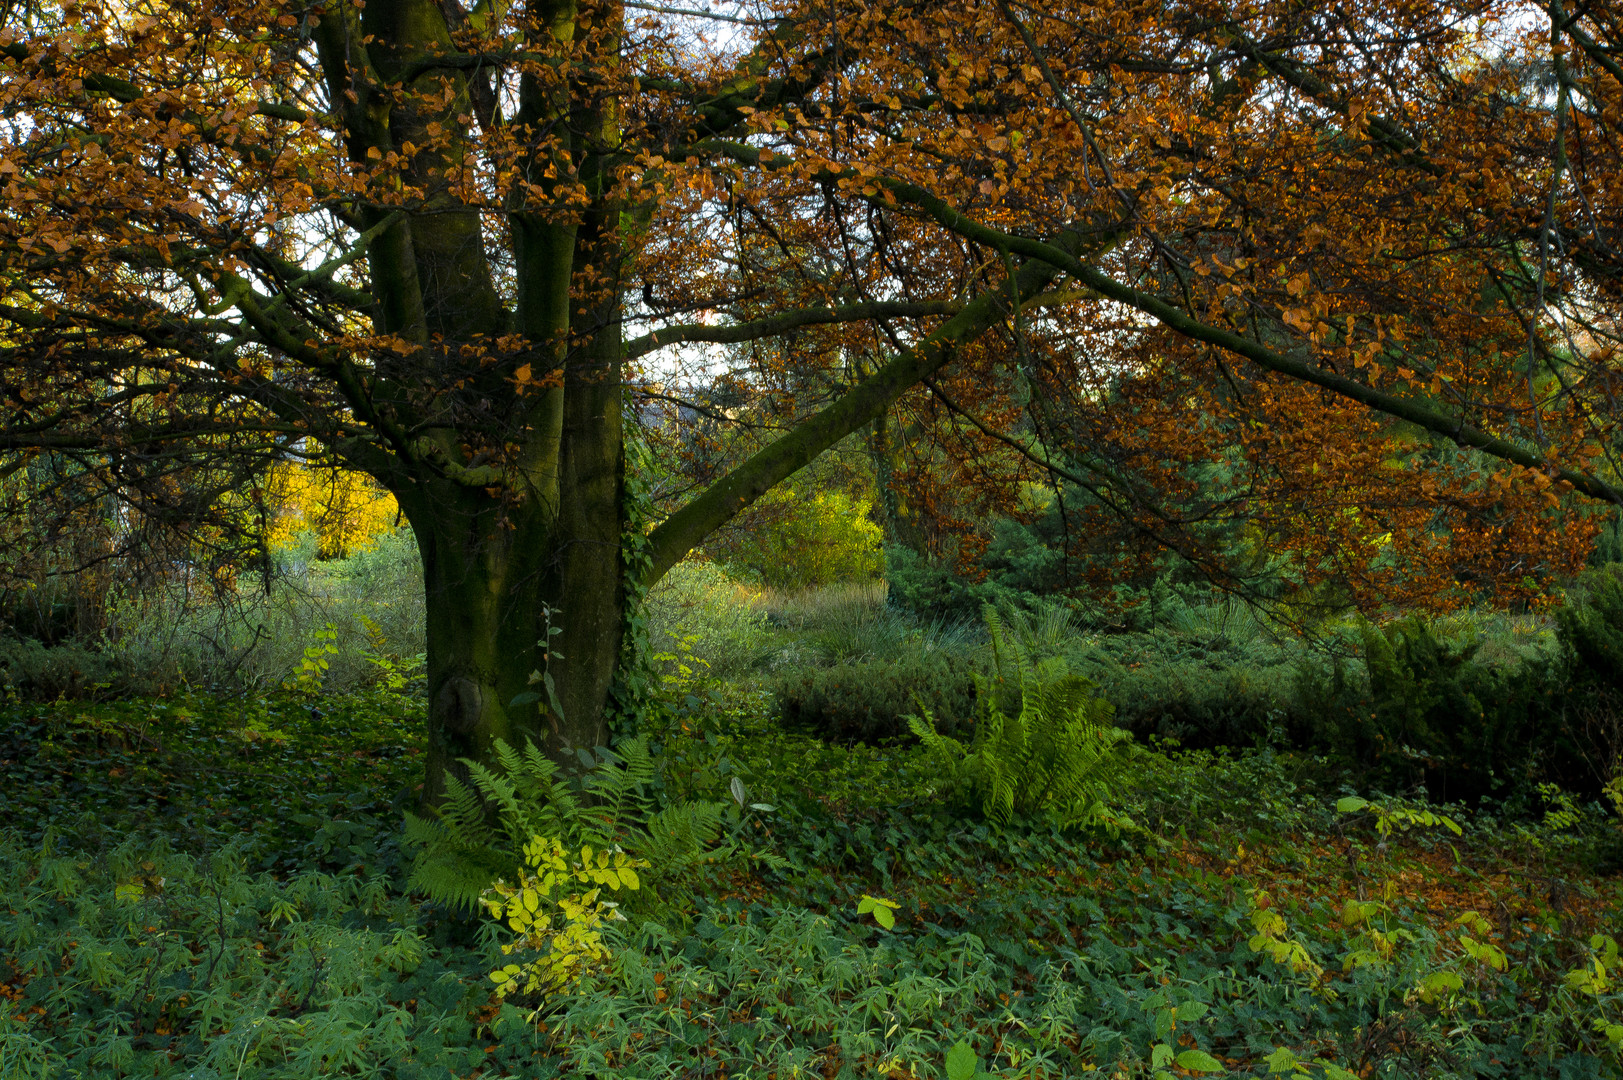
(1465, 729)
(1202, 707)
(1591, 638)
(563, 932)
(870, 701)
(794, 540)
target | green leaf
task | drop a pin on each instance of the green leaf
(1350, 804)
(1439, 983)
(962, 1064)
(1333, 1071)
(1160, 1054)
(1282, 1060)
(1199, 1061)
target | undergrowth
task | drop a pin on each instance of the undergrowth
(215, 887)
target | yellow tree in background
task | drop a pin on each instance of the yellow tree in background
(344, 509)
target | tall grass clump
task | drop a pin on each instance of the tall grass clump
(184, 630)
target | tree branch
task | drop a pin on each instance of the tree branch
(789, 320)
(679, 533)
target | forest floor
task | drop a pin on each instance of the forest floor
(212, 887)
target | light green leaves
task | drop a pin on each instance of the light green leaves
(1389, 817)
(882, 910)
(562, 930)
(1284, 1061)
(1439, 985)
(1198, 1061)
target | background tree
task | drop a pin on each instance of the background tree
(444, 242)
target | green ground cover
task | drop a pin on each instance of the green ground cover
(211, 887)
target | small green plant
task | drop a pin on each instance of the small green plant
(311, 670)
(390, 670)
(1284, 1062)
(1273, 937)
(1592, 995)
(882, 910)
(563, 931)
(1052, 756)
(1394, 816)
(479, 833)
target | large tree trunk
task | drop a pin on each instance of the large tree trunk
(497, 580)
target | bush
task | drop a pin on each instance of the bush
(795, 541)
(1436, 715)
(32, 669)
(871, 700)
(1591, 638)
(1205, 708)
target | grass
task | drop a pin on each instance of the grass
(181, 634)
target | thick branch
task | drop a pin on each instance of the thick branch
(1453, 428)
(788, 320)
(679, 533)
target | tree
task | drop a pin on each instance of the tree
(450, 243)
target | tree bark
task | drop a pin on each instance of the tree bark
(512, 592)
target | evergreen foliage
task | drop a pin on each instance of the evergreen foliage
(1049, 754)
(870, 701)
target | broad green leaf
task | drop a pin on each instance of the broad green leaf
(1439, 983)
(1199, 1061)
(1160, 1055)
(1282, 1060)
(1350, 804)
(962, 1063)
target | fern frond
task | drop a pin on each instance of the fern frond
(619, 784)
(679, 837)
(458, 854)
(1050, 751)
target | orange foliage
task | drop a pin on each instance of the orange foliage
(1336, 284)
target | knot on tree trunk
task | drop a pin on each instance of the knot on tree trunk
(459, 705)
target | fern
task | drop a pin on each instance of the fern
(479, 832)
(1043, 744)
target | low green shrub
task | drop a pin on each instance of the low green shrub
(1439, 717)
(1202, 707)
(1590, 632)
(869, 701)
(31, 669)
